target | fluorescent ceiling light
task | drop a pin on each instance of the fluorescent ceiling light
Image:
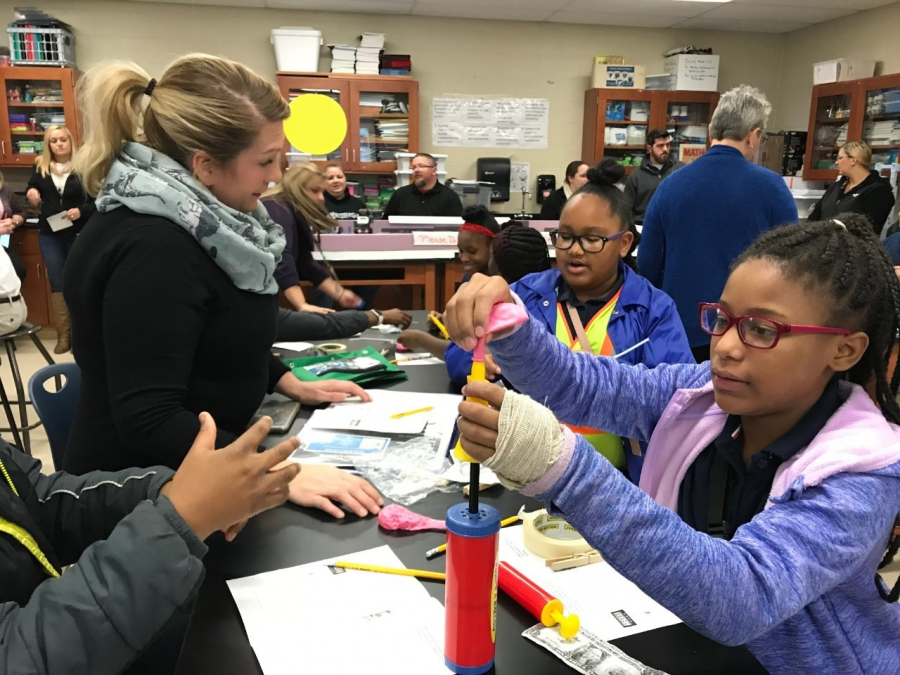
(719, 1)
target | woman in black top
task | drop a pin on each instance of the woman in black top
(173, 295)
(58, 192)
(12, 215)
(339, 203)
(857, 190)
(576, 176)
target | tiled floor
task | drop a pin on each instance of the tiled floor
(30, 360)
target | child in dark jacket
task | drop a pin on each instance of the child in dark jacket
(772, 484)
(595, 303)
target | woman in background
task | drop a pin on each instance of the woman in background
(57, 191)
(340, 204)
(576, 176)
(858, 189)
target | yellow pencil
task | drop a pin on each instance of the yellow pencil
(411, 412)
(423, 574)
(437, 550)
(441, 327)
(418, 357)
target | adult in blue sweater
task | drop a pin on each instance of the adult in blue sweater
(595, 303)
(703, 216)
(772, 484)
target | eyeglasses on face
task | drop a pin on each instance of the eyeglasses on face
(755, 331)
(589, 243)
(422, 166)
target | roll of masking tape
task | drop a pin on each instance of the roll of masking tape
(333, 347)
(550, 537)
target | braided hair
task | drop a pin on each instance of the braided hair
(844, 261)
(519, 251)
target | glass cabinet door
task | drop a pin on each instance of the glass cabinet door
(384, 121)
(626, 122)
(688, 123)
(32, 106)
(832, 123)
(881, 124)
(294, 87)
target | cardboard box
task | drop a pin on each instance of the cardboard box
(618, 77)
(694, 72)
(841, 70)
(609, 61)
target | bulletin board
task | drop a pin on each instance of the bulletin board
(473, 122)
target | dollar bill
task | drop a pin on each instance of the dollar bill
(587, 653)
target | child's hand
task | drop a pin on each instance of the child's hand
(219, 489)
(396, 317)
(468, 312)
(411, 339)
(491, 369)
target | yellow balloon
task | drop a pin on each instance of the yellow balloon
(317, 124)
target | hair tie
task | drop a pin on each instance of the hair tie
(477, 229)
(151, 85)
(835, 220)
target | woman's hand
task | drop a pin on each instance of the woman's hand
(73, 214)
(220, 489)
(33, 197)
(314, 309)
(468, 312)
(7, 225)
(396, 317)
(324, 391)
(320, 486)
(348, 299)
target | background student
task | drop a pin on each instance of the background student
(175, 301)
(594, 303)
(771, 477)
(339, 203)
(56, 189)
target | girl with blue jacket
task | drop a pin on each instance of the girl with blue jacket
(772, 485)
(595, 303)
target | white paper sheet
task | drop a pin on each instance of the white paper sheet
(293, 346)
(59, 222)
(300, 618)
(607, 603)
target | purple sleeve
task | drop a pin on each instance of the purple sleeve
(296, 262)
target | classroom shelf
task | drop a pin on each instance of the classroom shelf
(626, 147)
(625, 123)
(35, 105)
(385, 116)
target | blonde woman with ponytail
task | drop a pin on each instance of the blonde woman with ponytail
(173, 294)
(55, 189)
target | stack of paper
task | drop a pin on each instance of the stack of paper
(346, 433)
(367, 59)
(298, 619)
(372, 40)
(343, 58)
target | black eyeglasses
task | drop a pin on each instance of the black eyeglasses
(589, 243)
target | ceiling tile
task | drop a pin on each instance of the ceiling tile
(657, 7)
(365, 6)
(776, 12)
(603, 19)
(548, 5)
(481, 12)
(830, 4)
(702, 23)
(221, 3)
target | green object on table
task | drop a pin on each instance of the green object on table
(380, 377)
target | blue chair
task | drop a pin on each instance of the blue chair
(56, 408)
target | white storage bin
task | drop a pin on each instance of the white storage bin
(405, 158)
(694, 72)
(405, 176)
(841, 70)
(297, 48)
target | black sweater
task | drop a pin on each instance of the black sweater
(345, 208)
(161, 334)
(52, 202)
(410, 201)
(873, 198)
(553, 205)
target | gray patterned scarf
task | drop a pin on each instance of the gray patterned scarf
(247, 246)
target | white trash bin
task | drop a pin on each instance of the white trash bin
(297, 48)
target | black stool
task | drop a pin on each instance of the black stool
(9, 341)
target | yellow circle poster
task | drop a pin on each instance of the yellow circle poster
(317, 124)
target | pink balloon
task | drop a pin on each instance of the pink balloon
(396, 517)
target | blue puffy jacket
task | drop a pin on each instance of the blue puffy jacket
(641, 312)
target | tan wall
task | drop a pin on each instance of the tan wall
(868, 35)
(458, 56)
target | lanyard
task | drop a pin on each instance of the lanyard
(21, 535)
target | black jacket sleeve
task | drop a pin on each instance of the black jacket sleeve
(816, 213)
(393, 206)
(877, 207)
(552, 206)
(297, 261)
(16, 204)
(305, 326)
(148, 394)
(454, 204)
(277, 369)
(103, 612)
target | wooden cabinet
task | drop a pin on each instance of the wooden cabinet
(616, 122)
(382, 116)
(36, 287)
(867, 110)
(33, 97)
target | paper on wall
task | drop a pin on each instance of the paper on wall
(471, 121)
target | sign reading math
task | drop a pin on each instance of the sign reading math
(434, 238)
(688, 152)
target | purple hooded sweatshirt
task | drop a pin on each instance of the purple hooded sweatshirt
(797, 584)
